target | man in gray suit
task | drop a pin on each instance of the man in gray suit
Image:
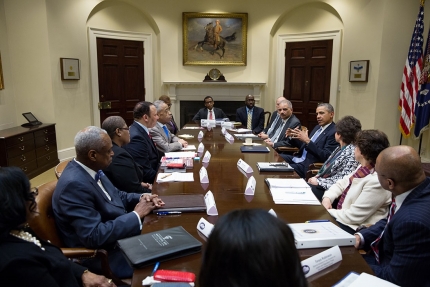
(162, 137)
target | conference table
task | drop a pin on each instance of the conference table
(227, 183)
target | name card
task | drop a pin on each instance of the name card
(200, 136)
(250, 186)
(321, 261)
(201, 148)
(229, 137)
(204, 175)
(244, 166)
(205, 227)
(272, 212)
(210, 204)
(208, 123)
(223, 130)
(227, 125)
(207, 157)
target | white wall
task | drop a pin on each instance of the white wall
(39, 32)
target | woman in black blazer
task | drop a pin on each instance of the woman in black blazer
(26, 260)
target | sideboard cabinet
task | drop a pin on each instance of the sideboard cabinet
(33, 149)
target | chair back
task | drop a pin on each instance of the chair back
(60, 168)
(269, 114)
(43, 223)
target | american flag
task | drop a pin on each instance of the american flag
(411, 76)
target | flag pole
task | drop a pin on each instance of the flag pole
(401, 135)
(419, 146)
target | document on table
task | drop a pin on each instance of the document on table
(192, 128)
(252, 136)
(175, 176)
(189, 147)
(243, 130)
(352, 279)
(291, 191)
(179, 154)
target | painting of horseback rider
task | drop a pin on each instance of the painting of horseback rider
(220, 40)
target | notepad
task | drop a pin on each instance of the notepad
(175, 176)
(274, 166)
(291, 191)
(182, 203)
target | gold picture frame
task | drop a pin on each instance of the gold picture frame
(1, 75)
(200, 30)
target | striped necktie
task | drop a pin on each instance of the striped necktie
(375, 244)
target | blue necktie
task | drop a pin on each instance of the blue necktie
(166, 131)
(313, 138)
(98, 175)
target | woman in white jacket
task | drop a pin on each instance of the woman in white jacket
(362, 200)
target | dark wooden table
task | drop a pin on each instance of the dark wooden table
(228, 184)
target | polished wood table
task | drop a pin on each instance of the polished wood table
(228, 184)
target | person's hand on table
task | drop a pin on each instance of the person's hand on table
(326, 203)
(90, 279)
(263, 135)
(269, 142)
(147, 185)
(147, 197)
(357, 241)
(313, 181)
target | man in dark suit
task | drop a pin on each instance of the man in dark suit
(141, 146)
(316, 147)
(400, 244)
(286, 121)
(250, 116)
(209, 112)
(89, 211)
(171, 125)
(274, 120)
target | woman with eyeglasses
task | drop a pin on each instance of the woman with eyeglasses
(362, 200)
(123, 172)
(26, 260)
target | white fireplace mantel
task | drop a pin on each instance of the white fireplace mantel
(220, 91)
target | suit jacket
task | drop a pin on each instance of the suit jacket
(257, 123)
(203, 114)
(365, 203)
(404, 249)
(292, 123)
(172, 126)
(164, 143)
(86, 217)
(272, 119)
(143, 151)
(124, 173)
(25, 264)
(317, 151)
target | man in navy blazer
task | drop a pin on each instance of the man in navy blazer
(209, 111)
(404, 247)
(316, 147)
(141, 146)
(89, 211)
(257, 115)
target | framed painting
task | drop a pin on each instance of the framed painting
(70, 69)
(359, 71)
(214, 39)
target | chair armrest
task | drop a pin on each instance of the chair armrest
(79, 252)
(316, 165)
(287, 149)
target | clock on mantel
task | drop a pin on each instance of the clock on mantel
(214, 75)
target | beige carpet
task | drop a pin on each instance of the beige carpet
(45, 177)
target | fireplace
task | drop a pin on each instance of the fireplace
(187, 97)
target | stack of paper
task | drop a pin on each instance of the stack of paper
(175, 176)
(179, 154)
(189, 147)
(291, 191)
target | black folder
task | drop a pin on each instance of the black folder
(149, 248)
(258, 149)
(182, 203)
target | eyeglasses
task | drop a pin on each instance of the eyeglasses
(34, 191)
(127, 129)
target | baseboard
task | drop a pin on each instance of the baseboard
(67, 153)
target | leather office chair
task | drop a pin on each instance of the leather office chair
(43, 224)
(268, 118)
(313, 169)
(60, 168)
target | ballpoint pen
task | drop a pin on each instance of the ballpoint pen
(168, 212)
(318, 220)
(167, 175)
(295, 192)
(155, 268)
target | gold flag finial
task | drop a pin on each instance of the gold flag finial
(422, 2)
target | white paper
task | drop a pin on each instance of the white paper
(244, 130)
(227, 125)
(189, 147)
(210, 204)
(250, 186)
(223, 131)
(369, 280)
(175, 176)
(201, 148)
(288, 182)
(192, 128)
(180, 154)
(205, 227)
(246, 136)
(321, 261)
(200, 135)
(207, 157)
(282, 195)
(244, 166)
(203, 175)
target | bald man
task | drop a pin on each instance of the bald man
(403, 250)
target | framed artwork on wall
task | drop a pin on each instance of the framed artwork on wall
(214, 39)
(1, 76)
(69, 69)
(359, 71)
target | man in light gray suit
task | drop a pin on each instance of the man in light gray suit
(162, 137)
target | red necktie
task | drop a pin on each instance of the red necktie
(375, 244)
(210, 115)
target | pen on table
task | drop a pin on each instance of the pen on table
(319, 220)
(168, 212)
(167, 175)
(295, 192)
(155, 268)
